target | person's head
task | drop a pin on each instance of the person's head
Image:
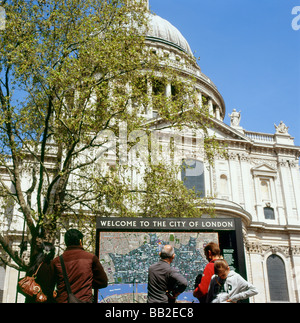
(48, 251)
(44, 253)
(212, 251)
(167, 253)
(73, 237)
(221, 268)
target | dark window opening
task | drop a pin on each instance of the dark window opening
(269, 213)
(192, 175)
(277, 279)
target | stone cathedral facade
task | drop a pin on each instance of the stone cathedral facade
(259, 182)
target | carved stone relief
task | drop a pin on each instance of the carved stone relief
(259, 248)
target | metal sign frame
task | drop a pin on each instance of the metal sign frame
(229, 231)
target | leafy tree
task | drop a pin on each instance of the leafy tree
(73, 75)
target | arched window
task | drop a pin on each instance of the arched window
(277, 279)
(192, 175)
(139, 98)
(159, 86)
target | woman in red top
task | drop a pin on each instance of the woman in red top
(212, 253)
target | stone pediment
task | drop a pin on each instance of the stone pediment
(226, 133)
(264, 170)
(221, 130)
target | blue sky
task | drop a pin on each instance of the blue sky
(250, 51)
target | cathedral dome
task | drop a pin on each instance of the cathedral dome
(161, 30)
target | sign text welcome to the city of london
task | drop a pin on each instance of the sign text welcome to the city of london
(178, 224)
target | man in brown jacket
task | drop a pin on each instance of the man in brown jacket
(83, 269)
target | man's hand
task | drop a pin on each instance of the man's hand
(230, 301)
(172, 295)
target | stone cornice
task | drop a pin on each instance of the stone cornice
(232, 209)
(266, 227)
(238, 140)
(262, 249)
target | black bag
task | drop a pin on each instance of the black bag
(198, 280)
(71, 297)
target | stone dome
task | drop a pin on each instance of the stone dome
(161, 30)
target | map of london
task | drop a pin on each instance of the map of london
(126, 257)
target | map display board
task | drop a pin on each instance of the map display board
(127, 247)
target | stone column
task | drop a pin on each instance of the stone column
(210, 107)
(258, 204)
(233, 165)
(295, 178)
(200, 99)
(149, 94)
(218, 115)
(168, 90)
(246, 182)
(283, 171)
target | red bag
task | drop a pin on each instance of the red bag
(29, 287)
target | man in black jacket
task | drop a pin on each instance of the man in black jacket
(165, 283)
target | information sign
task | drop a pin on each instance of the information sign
(127, 247)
